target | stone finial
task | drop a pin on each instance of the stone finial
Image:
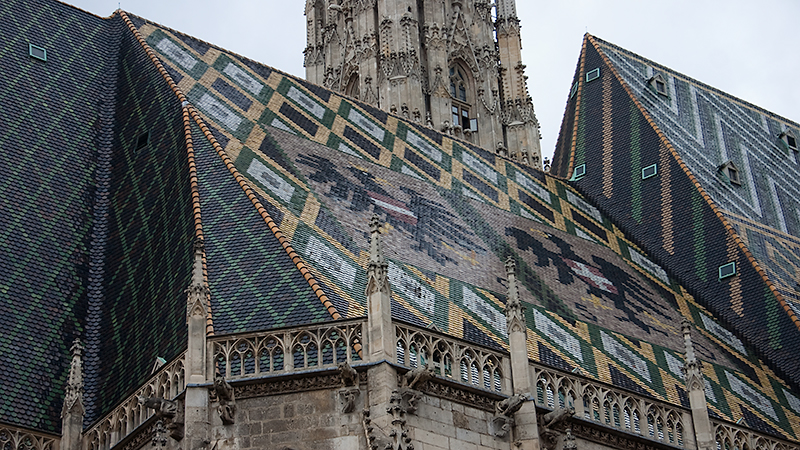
(514, 309)
(377, 272)
(692, 369)
(73, 398)
(197, 292)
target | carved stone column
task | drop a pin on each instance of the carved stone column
(382, 377)
(196, 400)
(695, 385)
(73, 411)
(526, 429)
(381, 335)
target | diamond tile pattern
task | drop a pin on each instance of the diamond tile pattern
(149, 233)
(321, 165)
(254, 285)
(51, 129)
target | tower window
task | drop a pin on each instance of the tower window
(458, 84)
(37, 52)
(460, 107)
(579, 172)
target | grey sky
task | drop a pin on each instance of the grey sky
(745, 48)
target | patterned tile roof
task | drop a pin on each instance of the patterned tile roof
(279, 177)
(709, 128)
(613, 129)
(454, 213)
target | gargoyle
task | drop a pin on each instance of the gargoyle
(169, 411)
(348, 374)
(418, 376)
(162, 407)
(511, 405)
(557, 416)
(227, 401)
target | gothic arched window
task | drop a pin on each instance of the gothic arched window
(459, 87)
(352, 87)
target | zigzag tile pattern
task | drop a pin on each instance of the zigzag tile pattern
(454, 213)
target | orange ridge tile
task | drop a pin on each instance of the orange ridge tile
(293, 255)
(152, 56)
(198, 222)
(576, 121)
(702, 191)
(188, 109)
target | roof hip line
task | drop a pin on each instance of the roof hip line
(188, 108)
(731, 231)
(196, 213)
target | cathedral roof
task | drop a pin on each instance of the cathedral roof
(279, 177)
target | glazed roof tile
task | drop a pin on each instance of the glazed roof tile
(284, 176)
(454, 214)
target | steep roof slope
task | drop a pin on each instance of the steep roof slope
(670, 215)
(54, 121)
(709, 128)
(454, 214)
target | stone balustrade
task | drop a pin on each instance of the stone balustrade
(453, 358)
(290, 350)
(12, 438)
(167, 382)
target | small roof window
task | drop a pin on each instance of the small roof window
(727, 270)
(732, 172)
(592, 74)
(579, 172)
(649, 171)
(658, 84)
(789, 139)
(143, 140)
(37, 52)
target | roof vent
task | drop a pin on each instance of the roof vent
(789, 139)
(37, 52)
(732, 172)
(143, 140)
(592, 74)
(727, 270)
(658, 84)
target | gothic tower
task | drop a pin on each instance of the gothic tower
(454, 65)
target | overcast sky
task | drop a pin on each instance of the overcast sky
(746, 48)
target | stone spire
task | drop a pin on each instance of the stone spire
(526, 430)
(196, 397)
(73, 411)
(379, 295)
(695, 385)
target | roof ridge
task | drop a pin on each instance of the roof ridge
(731, 231)
(574, 142)
(738, 100)
(293, 255)
(198, 221)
